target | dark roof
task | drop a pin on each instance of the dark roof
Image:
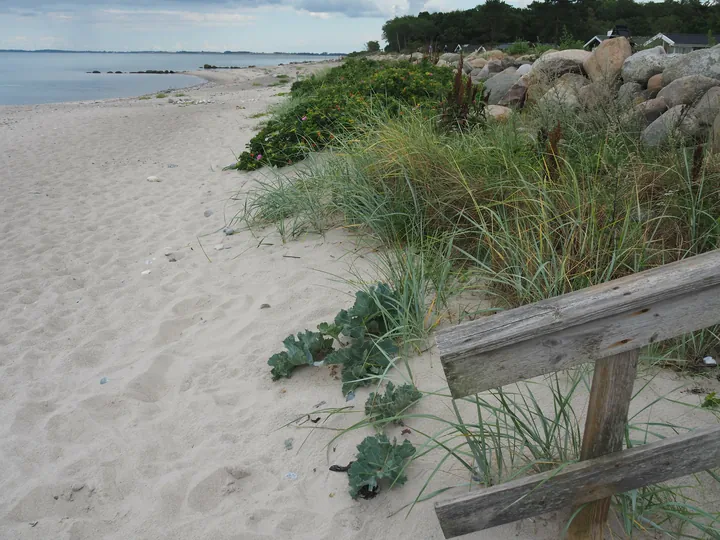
(691, 39)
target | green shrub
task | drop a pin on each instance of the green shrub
(161, 95)
(518, 48)
(331, 104)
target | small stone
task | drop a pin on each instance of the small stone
(154, 179)
(219, 247)
(171, 258)
(78, 487)
(104, 380)
(146, 272)
(229, 231)
(265, 306)
(208, 213)
(289, 444)
(172, 101)
(291, 476)
(172, 166)
(34, 523)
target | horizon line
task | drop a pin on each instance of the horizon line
(325, 53)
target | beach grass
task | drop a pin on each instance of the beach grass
(161, 95)
(512, 213)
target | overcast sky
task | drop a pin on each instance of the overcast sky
(217, 25)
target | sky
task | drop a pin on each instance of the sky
(210, 25)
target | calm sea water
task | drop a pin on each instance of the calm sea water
(30, 78)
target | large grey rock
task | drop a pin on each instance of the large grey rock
(686, 90)
(676, 122)
(565, 93)
(594, 95)
(558, 63)
(707, 108)
(498, 112)
(524, 69)
(497, 86)
(649, 111)
(606, 61)
(715, 135)
(493, 67)
(515, 97)
(628, 93)
(451, 58)
(644, 64)
(704, 62)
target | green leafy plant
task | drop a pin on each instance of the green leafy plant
(395, 402)
(144, 98)
(378, 459)
(363, 361)
(308, 349)
(161, 95)
(369, 314)
(324, 106)
(711, 401)
(518, 48)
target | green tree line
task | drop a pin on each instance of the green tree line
(546, 22)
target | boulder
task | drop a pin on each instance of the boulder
(707, 108)
(477, 62)
(705, 62)
(655, 84)
(595, 95)
(524, 69)
(515, 97)
(497, 86)
(686, 90)
(644, 64)
(498, 112)
(650, 110)
(715, 135)
(493, 55)
(467, 68)
(565, 92)
(527, 58)
(674, 123)
(628, 93)
(443, 63)
(493, 67)
(555, 64)
(606, 61)
(450, 58)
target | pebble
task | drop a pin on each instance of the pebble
(350, 396)
(208, 213)
(104, 380)
(146, 272)
(154, 179)
(289, 444)
(172, 166)
(291, 476)
(265, 306)
(229, 231)
(219, 247)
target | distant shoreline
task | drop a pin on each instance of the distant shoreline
(323, 54)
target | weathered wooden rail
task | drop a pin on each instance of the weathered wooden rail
(606, 324)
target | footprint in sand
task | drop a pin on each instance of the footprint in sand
(151, 386)
(210, 492)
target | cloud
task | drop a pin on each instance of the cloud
(197, 17)
(349, 8)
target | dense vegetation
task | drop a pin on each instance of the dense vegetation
(498, 22)
(327, 105)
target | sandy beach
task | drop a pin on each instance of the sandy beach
(135, 398)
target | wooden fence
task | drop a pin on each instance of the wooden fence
(607, 324)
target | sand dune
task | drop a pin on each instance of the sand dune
(135, 400)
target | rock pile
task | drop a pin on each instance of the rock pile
(666, 95)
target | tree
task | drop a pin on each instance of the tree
(373, 46)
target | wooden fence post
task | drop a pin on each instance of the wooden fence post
(612, 390)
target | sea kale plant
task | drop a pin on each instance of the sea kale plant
(333, 103)
(367, 352)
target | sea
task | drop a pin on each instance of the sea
(28, 78)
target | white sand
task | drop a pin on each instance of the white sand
(183, 440)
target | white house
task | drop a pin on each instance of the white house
(682, 43)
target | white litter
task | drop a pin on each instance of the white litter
(710, 361)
